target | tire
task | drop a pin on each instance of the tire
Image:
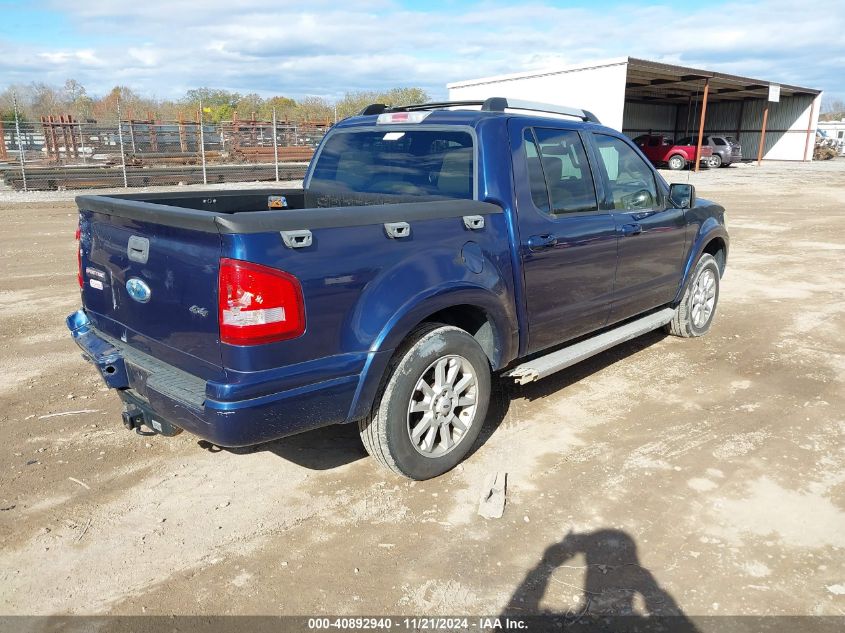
(676, 162)
(715, 161)
(420, 436)
(694, 314)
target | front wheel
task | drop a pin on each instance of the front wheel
(676, 162)
(694, 314)
(433, 405)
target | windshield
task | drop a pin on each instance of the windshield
(421, 162)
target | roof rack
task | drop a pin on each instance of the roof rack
(493, 104)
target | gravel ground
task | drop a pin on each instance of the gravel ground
(704, 477)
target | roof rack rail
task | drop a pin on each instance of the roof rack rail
(492, 104)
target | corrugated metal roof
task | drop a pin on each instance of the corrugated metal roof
(655, 81)
(649, 80)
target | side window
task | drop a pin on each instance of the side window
(539, 193)
(631, 179)
(563, 161)
(719, 141)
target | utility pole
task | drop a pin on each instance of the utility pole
(20, 144)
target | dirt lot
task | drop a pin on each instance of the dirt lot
(699, 476)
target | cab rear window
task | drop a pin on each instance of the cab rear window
(397, 161)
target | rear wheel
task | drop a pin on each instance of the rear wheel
(433, 405)
(715, 161)
(694, 314)
(676, 162)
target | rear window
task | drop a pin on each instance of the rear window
(397, 161)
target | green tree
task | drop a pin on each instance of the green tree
(132, 105)
(284, 106)
(314, 109)
(7, 103)
(45, 100)
(218, 105)
(79, 103)
(353, 102)
(249, 105)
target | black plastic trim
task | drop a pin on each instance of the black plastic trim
(335, 217)
(144, 208)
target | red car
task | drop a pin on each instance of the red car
(662, 150)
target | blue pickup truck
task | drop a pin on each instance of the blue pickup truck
(431, 248)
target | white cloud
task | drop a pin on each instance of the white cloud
(327, 48)
(146, 55)
(82, 58)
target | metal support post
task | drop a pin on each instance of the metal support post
(275, 146)
(701, 124)
(20, 144)
(120, 138)
(202, 148)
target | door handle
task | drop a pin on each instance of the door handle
(631, 229)
(541, 242)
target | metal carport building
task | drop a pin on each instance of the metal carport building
(638, 96)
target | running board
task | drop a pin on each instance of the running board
(568, 356)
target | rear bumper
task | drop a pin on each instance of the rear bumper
(183, 399)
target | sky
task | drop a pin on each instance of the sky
(329, 47)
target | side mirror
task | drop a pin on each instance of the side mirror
(682, 196)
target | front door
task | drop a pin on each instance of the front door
(652, 232)
(567, 244)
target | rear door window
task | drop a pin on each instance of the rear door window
(559, 172)
(422, 162)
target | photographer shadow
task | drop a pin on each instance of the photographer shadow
(618, 592)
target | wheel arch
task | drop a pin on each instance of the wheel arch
(718, 248)
(712, 239)
(475, 310)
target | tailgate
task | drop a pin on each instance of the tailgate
(154, 287)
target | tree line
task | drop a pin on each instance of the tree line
(39, 99)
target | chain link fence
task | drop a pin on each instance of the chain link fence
(61, 153)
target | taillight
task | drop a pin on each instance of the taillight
(79, 257)
(258, 304)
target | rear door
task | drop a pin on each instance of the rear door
(652, 232)
(153, 287)
(567, 244)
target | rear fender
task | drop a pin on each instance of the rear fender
(404, 297)
(441, 298)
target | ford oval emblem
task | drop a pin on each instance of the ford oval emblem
(138, 290)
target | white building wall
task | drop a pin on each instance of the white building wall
(792, 114)
(599, 88)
